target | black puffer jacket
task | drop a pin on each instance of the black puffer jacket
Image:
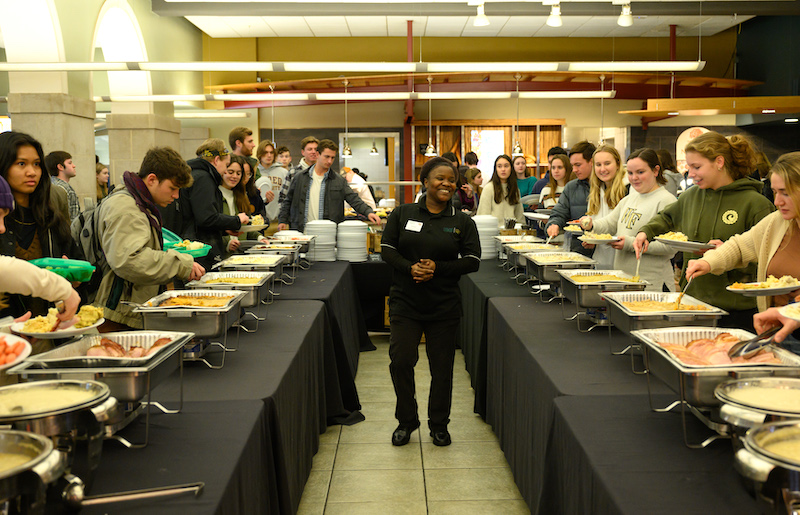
(200, 211)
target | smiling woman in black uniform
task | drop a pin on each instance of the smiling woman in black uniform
(430, 245)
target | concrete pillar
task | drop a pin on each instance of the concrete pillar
(191, 138)
(60, 122)
(130, 136)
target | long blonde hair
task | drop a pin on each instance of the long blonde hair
(787, 167)
(613, 194)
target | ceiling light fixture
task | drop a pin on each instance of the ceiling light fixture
(430, 151)
(767, 111)
(517, 150)
(792, 120)
(554, 20)
(346, 152)
(480, 20)
(366, 67)
(374, 150)
(625, 17)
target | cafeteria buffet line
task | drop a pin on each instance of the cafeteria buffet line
(571, 377)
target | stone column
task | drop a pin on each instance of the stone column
(191, 138)
(60, 122)
(130, 136)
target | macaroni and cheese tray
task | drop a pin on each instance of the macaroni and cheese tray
(256, 285)
(583, 287)
(691, 311)
(205, 322)
(544, 265)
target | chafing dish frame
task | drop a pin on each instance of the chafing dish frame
(695, 385)
(129, 381)
(256, 292)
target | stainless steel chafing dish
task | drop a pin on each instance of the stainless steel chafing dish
(514, 251)
(70, 413)
(203, 322)
(24, 485)
(770, 460)
(501, 240)
(698, 382)
(587, 294)
(627, 320)
(255, 292)
(540, 266)
(277, 248)
(306, 242)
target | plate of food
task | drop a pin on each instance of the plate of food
(573, 228)
(772, 286)
(13, 349)
(193, 248)
(597, 238)
(791, 311)
(89, 317)
(679, 241)
(256, 224)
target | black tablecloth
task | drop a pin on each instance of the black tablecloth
(373, 280)
(534, 356)
(612, 455)
(281, 365)
(476, 290)
(219, 443)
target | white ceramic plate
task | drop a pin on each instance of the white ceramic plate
(252, 228)
(12, 340)
(63, 333)
(763, 292)
(536, 216)
(597, 241)
(790, 311)
(685, 246)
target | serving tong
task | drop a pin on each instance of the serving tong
(748, 348)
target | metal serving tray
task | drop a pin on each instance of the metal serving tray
(587, 295)
(626, 320)
(515, 257)
(204, 322)
(546, 270)
(127, 378)
(255, 291)
(283, 249)
(239, 263)
(305, 243)
(695, 383)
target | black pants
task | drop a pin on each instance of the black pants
(739, 319)
(440, 337)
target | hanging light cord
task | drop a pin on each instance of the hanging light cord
(517, 77)
(345, 112)
(430, 115)
(272, 91)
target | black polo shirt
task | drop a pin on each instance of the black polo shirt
(413, 233)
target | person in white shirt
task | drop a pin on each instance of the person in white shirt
(359, 185)
(500, 197)
(647, 198)
(272, 178)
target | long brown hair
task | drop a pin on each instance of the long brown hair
(568, 176)
(512, 191)
(239, 192)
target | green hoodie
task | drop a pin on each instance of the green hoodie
(706, 214)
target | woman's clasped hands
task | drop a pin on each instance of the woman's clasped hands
(423, 270)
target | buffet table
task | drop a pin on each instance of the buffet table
(280, 365)
(220, 443)
(373, 280)
(476, 290)
(533, 357)
(611, 455)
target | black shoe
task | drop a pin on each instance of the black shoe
(402, 435)
(441, 437)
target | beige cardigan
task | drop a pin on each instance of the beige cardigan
(758, 244)
(501, 211)
(19, 276)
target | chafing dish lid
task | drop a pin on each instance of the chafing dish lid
(779, 442)
(46, 398)
(765, 394)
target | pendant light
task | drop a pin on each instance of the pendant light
(374, 150)
(517, 151)
(346, 152)
(554, 20)
(430, 151)
(626, 17)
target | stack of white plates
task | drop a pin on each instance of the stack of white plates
(287, 234)
(488, 228)
(324, 248)
(352, 241)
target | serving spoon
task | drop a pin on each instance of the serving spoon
(680, 297)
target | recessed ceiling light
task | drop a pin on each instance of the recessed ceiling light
(673, 113)
(792, 120)
(767, 111)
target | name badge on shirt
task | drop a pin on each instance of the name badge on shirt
(413, 225)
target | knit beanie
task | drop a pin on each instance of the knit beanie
(6, 197)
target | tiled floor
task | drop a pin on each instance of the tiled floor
(357, 469)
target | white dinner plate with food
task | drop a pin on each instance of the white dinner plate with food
(791, 311)
(12, 340)
(597, 241)
(754, 290)
(18, 328)
(252, 228)
(685, 246)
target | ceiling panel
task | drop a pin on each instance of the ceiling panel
(213, 26)
(570, 25)
(328, 26)
(250, 26)
(289, 26)
(367, 26)
(495, 26)
(397, 26)
(522, 26)
(445, 26)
